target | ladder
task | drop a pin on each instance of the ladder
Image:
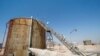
(71, 47)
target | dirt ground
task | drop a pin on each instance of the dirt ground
(61, 50)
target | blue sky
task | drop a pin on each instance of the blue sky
(63, 15)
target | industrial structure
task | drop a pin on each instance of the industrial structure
(87, 42)
(26, 33)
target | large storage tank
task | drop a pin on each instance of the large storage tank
(23, 33)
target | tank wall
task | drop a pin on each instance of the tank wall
(38, 36)
(18, 37)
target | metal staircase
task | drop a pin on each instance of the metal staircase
(71, 47)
